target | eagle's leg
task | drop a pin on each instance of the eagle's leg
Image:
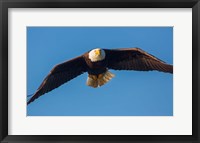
(94, 77)
(100, 79)
(101, 75)
(92, 80)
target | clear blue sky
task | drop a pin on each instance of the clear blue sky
(129, 93)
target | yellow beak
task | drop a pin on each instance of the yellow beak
(98, 52)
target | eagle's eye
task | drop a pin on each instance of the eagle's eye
(97, 52)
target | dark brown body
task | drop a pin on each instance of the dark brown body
(95, 68)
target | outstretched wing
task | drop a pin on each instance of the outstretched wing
(135, 59)
(60, 74)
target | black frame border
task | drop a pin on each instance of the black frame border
(6, 4)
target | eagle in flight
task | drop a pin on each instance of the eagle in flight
(97, 63)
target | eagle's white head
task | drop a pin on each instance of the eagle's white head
(97, 55)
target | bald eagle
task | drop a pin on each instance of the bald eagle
(96, 63)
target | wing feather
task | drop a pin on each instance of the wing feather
(59, 75)
(135, 59)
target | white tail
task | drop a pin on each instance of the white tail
(99, 80)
